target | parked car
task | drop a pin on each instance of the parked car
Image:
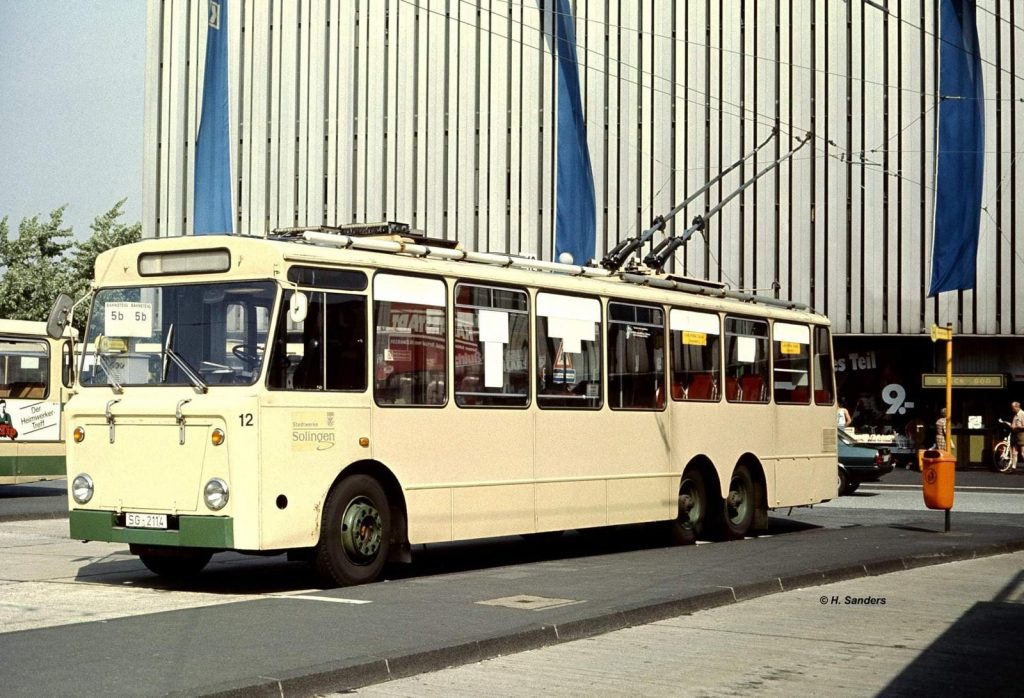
(859, 463)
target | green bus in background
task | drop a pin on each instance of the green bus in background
(35, 381)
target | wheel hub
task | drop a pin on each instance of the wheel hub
(737, 503)
(361, 530)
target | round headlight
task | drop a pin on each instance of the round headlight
(79, 435)
(216, 494)
(82, 488)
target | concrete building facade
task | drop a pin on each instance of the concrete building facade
(440, 113)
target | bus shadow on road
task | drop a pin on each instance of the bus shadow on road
(981, 654)
(57, 489)
(236, 574)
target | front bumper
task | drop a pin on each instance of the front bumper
(215, 532)
(868, 473)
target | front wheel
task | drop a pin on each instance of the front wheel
(693, 507)
(737, 511)
(1001, 456)
(355, 533)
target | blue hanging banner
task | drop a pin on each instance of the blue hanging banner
(960, 151)
(575, 227)
(213, 154)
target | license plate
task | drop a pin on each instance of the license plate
(145, 520)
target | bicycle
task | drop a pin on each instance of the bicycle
(1002, 453)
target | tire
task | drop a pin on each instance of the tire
(355, 533)
(1001, 456)
(174, 563)
(736, 513)
(844, 482)
(693, 508)
(852, 487)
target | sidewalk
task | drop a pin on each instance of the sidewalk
(306, 642)
(937, 630)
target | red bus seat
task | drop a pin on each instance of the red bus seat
(702, 387)
(752, 389)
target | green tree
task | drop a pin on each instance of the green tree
(107, 232)
(33, 266)
(43, 260)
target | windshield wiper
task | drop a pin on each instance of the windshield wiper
(108, 372)
(193, 376)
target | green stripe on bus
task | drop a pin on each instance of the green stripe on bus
(195, 531)
(53, 466)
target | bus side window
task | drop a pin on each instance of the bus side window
(346, 342)
(695, 355)
(791, 348)
(636, 357)
(492, 346)
(568, 351)
(24, 369)
(410, 340)
(67, 366)
(746, 356)
(823, 390)
(295, 361)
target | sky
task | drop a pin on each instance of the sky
(72, 78)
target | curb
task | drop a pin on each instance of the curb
(316, 680)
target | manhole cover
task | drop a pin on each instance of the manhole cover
(528, 603)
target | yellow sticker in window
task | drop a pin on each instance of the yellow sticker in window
(699, 339)
(789, 347)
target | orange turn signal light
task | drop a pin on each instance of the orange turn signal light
(79, 435)
(217, 437)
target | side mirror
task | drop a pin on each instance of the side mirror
(297, 307)
(60, 316)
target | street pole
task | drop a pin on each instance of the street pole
(939, 472)
(949, 396)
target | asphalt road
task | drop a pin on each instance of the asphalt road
(253, 625)
(37, 500)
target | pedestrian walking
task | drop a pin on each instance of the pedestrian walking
(1017, 434)
(940, 431)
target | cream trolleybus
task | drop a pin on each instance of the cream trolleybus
(35, 382)
(346, 394)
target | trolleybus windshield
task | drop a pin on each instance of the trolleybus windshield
(196, 334)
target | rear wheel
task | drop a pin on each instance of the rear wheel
(173, 563)
(355, 534)
(1001, 456)
(737, 511)
(844, 482)
(693, 508)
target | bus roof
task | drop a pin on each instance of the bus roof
(251, 257)
(31, 328)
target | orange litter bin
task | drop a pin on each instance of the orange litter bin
(938, 473)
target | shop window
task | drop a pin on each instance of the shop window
(695, 339)
(791, 361)
(636, 357)
(746, 360)
(492, 346)
(568, 351)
